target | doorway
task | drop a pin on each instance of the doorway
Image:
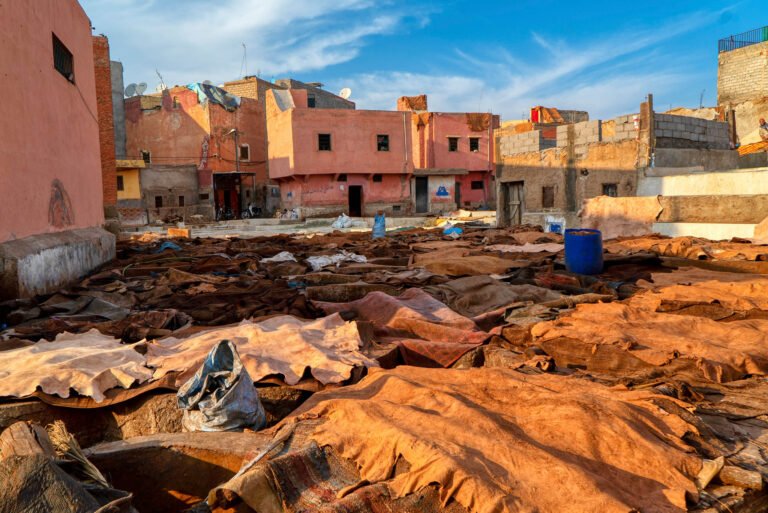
(514, 194)
(457, 194)
(422, 195)
(355, 201)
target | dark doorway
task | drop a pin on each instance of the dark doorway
(422, 195)
(514, 194)
(355, 201)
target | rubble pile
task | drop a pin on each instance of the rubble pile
(412, 372)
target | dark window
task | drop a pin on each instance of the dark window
(146, 157)
(548, 197)
(453, 144)
(158, 202)
(204, 196)
(474, 144)
(324, 142)
(377, 178)
(181, 201)
(342, 177)
(120, 185)
(395, 208)
(610, 189)
(63, 60)
(477, 185)
(311, 102)
(382, 142)
(245, 152)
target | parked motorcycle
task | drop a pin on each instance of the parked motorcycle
(252, 212)
(224, 214)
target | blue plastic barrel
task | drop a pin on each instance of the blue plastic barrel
(584, 251)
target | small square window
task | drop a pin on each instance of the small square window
(342, 177)
(158, 202)
(395, 208)
(181, 201)
(311, 101)
(377, 178)
(324, 142)
(204, 196)
(548, 197)
(477, 185)
(382, 142)
(63, 60)
(245, 152)
(474, 144)
(453, 144)
(610, 189)
(120, 184)
(146, 156)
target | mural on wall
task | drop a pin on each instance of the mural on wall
(60, 213)
(442, 192)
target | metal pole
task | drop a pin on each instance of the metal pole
(237, 150)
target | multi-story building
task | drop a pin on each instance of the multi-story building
(453, 156)
(207, 147)
(50, 162)
(328, 161)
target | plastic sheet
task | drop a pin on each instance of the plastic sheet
(221, 395)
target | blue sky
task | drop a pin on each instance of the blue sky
(467, 55)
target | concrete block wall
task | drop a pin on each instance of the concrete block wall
(742, 74)
(586, 132)
(690, 132)
(626, 128)
(525, 142)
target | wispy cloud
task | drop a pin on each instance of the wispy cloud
(608, 77)
(193, 40)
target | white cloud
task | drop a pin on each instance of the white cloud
(188, 39)
(607, 78)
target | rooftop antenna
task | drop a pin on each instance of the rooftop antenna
(244, 62)
(345, 93)
(140, 88)
(130, 90)
(163, 87)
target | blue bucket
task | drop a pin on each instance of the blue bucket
(584, 251)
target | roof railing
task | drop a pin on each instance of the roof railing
(743, 40)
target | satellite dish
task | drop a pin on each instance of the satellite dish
(140, 88)
(207, 82)
(130, 90)
(345, 93)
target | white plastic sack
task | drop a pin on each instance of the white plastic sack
(318, 262)
(221, 396)
(283, 256)
(341, 222)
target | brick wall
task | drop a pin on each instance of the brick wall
(103, 75)
(742, 74)
(686, 132)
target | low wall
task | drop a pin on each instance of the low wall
(734, 182)
(41, 264)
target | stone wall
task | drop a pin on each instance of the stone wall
(742, 74)
(687, 132)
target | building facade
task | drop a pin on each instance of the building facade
(50, 159)
(219, 134)
(333, 161)
(453, 156)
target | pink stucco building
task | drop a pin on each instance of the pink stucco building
(453, 157)
(50, 165)
(329, 161)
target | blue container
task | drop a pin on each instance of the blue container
(584, 251)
